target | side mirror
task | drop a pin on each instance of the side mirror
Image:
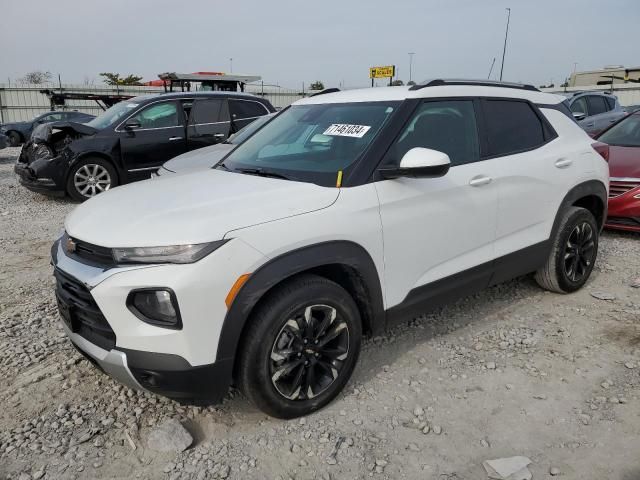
(132, 124)
(579, 116)
(419, 163)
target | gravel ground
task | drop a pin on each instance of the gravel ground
(511, 371)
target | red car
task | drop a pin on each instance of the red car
(623, 152)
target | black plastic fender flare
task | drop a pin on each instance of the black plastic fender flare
(291, 263)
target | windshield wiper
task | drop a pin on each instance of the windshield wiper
(222, 165)
(261, 172)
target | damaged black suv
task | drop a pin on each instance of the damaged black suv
(130, 140)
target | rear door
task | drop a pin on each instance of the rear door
(598, 118)
(159, 137)
(209, 122)
(535, 171)
(243, 112)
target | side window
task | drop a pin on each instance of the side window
(51, 117)
(597, 105)
(580, 106)
(611, 102)
(512, 127)
(241, 109)
(446, 126)
(159, 115)
(207, 111)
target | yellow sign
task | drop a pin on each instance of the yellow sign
(382, 72)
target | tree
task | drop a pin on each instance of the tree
(317, 85)
(37, 77)
(397, 83)
(115, 79)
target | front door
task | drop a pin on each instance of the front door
(434, 228)
(155, 135)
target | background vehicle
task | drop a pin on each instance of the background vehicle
(131, 139)
(207, 157)
(4, 142)
(19, 132)
(595, 111)
(344, 214)
(623, 151)
(632, 108)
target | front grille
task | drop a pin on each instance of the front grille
(617, 188)
(81, 313)
(93, 253)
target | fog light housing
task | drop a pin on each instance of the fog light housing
(156, 306)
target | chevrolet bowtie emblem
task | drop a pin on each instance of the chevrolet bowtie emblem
(70, 246)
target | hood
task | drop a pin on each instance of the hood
(196, 207)
(14, 125)
(42, 133)
(201, 158)
(624, 162)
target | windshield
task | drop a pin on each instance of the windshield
(113, 114)
(626, 133)
(312, 143)
(244, 133)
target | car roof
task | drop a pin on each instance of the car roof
(381, 94)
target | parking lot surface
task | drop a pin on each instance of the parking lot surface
(511, 371)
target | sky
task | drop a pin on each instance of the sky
(291, 42)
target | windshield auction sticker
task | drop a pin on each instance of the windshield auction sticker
(346, 130)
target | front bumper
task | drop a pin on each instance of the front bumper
(180, 364)
(27, 179)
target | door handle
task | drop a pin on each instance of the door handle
(613, 121)
(563, 162)
(219, 135)
(590, 124)
(174, 139)
(480, 180)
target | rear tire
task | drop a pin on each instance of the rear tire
(14, 139)
(573, 252)
(300, 347)
(90, 177)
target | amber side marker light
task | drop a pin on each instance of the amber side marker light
(242, 279)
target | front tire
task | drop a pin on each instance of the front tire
(14, 139)
(300, 347)
(573, 253)
(90, 177)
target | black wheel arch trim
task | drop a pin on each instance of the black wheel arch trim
(341, 252)
(580, 191)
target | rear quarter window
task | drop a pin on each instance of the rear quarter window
(512, 126)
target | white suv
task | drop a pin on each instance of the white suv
(347, 212)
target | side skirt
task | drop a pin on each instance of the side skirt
(435, 294)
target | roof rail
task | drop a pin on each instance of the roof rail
(326, 90)
(438, 82)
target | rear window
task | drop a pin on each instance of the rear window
(512, 127)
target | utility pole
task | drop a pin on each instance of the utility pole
(411, 54)
(230, 65)
(506, 34)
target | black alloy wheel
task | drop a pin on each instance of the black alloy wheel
(579, 252)
(309, 352)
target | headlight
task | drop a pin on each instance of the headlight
(171, 254)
